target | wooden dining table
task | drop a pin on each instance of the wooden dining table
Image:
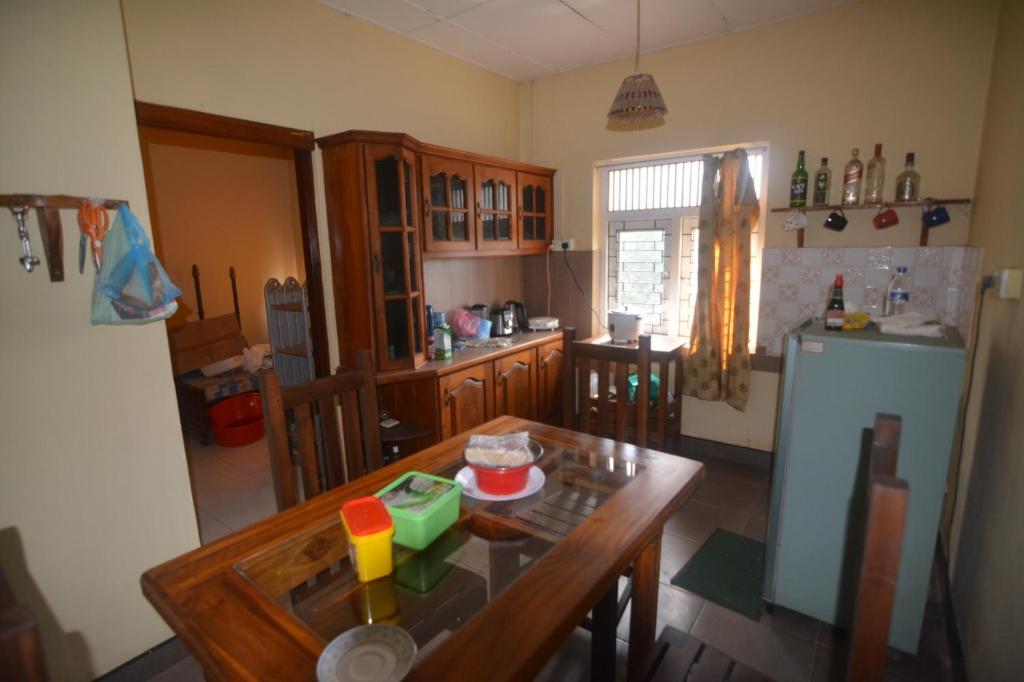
(491, 599)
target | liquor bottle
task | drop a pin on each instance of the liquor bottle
(874, 180)
(909, 182)
(822, 183)
(852, 179)
(798, 185)
(835, 312)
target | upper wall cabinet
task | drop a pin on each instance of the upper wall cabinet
(448, 205)
(535, 212)
(496, 228)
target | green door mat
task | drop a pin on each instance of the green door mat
(728, 569)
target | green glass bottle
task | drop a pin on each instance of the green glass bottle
(798, 186)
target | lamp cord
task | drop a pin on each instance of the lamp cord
(636, 56)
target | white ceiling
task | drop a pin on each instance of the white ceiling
(528, 39)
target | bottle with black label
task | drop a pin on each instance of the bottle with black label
(835, 313)
(798, 186)
(822, 183)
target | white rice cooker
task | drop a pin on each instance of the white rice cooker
(624, 326)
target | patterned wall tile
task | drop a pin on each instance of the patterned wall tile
(879, 257)
(832, 257)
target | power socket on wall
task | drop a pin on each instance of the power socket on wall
(563, 245)
(1008, 283)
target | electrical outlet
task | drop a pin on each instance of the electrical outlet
(563, 245)
(1008, 283)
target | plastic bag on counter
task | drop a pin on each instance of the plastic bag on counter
(131, 287)
(509, 450)
(464, 323)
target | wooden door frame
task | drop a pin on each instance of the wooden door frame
(301, 142)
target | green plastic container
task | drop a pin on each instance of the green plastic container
(422, 506)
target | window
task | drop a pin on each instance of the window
(650, 211)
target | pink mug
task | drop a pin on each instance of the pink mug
(886, 217)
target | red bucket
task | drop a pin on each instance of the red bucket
(501, 481)
(237, 420)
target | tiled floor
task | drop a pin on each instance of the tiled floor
(233, 490)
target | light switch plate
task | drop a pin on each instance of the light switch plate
(1008, 283)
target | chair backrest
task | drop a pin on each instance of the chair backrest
(880, 563)
(314, 410)
(21, 647)
(608, 415)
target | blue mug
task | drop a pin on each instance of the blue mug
(935, 216)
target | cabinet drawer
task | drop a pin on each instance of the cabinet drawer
(515, 384)
(466, 399)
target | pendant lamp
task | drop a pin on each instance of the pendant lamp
(638, 98)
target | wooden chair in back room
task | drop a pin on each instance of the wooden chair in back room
(313, 405)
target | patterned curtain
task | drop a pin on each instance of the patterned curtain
(718, 365)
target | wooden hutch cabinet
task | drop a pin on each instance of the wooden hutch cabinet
(535, 212)
(448, 205)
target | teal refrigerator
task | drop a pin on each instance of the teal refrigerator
(833, 384)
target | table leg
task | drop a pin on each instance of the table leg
(602, 636)
(643, 614)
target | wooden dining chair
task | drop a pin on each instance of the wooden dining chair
(678, 656)
(325, 460)
(607, 414)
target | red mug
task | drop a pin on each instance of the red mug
(886, 217)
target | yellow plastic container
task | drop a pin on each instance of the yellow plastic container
(369, 529)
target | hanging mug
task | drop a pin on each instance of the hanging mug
(886, 217)
(935, 215)
(836, 220)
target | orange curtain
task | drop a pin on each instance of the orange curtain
(718, 364)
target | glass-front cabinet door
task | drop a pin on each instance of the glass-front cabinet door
(535, 213)
(448, 201)
(393, 211)
(496, 228)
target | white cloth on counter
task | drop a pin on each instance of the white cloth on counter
(910, 324)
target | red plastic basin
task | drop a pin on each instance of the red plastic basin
(237, 420)
(507, 481)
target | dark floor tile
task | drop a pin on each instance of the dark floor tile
(696, 521)
(676, 607)
(756, 529)
(932, 661)
(739, 494)
(675, 552)
(717, 465)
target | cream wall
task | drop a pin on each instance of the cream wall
(221, 203)
(863, 73)
(93, 483)
(988, 542)
(301, 64)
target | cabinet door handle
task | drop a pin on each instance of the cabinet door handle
(447, 397)
(376, 263)
(426, 207)
(520, 212)
(478, 210)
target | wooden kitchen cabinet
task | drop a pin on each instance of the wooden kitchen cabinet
(466, 398)
(535, 212)
(448, 204)
(515, 384)
(549, 382)
(496, 226)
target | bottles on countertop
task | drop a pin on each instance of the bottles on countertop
(908, 184)
(853, 177)
(874, 180)
(822, 183)
(798, 184)
(835, 313)
(897, 295)
(430, 332)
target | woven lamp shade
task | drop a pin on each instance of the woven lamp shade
(638, 99)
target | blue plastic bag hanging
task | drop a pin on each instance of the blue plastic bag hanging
(131, 287)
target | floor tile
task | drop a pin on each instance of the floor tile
(186, 670)
(242, 506)
(737, 494)
(211, 528)
(676, 607)
(772, 651)
(252, 458)
(716, 465)
(675, 552)
(696, 521)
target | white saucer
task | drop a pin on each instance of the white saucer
(467, 479)
(368, 653)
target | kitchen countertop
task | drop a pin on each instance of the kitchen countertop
(467, 357)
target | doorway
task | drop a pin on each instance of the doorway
(231, 203)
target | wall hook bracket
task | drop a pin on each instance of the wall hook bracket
(27, 260)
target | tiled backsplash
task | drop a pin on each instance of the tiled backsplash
(795, 284)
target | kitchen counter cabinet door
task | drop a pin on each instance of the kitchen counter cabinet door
(549, 382)
(536, 215)
(515, 385)
(466, 398)
(496, 228)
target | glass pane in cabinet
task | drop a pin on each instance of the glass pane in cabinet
(411, 250)
(393, 264)
(397, 323)
(437, 190)
(458, 192)
(504, 228)
(388, 211)
(528, 227)
(439, 225)
(459, 231)
(407, 174)
(503, 197)
(416, 325)
(528, 198)
(488, 220)
(541, 204)
(487, 195)
(541, 228)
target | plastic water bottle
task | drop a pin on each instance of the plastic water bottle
(897, 296)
